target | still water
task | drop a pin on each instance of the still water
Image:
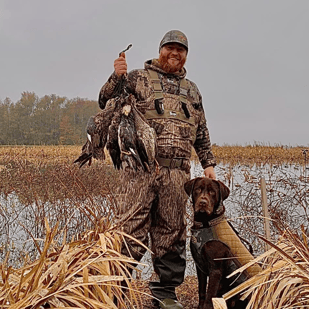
(287, 194)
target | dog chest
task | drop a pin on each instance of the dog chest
(226, 234)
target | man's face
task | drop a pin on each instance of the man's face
(172, 57)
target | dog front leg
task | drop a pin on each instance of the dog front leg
(202, 284)
(213, 287)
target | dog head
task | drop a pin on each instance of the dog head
(207, 195)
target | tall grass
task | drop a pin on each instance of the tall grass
(38, 183)
(41, 184)
(77, 263)
(82, 273)
(232, 155)
(284, 281)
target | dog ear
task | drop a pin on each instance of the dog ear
(189, 185)
(225, 191)
(220, 210)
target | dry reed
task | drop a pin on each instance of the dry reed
(257, 154)
(49, 186)
(284, 281)
(83, 273)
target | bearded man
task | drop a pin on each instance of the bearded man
(154, 204)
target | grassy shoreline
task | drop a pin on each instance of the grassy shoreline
(232, 155)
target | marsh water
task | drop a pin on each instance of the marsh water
(287, 195)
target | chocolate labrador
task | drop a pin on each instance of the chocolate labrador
(213, 257)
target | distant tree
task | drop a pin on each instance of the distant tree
(66, 131)
(48, 120)
(22, 119)
(5, 122)
(75, 118)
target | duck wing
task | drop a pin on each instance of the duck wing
(97, 131)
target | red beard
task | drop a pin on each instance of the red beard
(163, 60)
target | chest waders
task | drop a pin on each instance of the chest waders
(170, 266)
(160, 112)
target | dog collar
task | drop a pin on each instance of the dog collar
(213, 222)
(216, 221)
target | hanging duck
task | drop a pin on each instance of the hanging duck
(123, 130)
(97, 132)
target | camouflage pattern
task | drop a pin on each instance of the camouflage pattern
(174, 36)
(153, 203)
(175, 138)
(146, 135)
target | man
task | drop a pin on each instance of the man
(155, 203)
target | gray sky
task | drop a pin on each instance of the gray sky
(249, 58)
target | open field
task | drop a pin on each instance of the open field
(233, 155)
(224, 154)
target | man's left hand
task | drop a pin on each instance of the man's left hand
(210, 172)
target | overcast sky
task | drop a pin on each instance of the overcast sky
(250, 59)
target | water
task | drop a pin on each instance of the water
(287, 195)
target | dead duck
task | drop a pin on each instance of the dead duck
(112, 140)
(97, 132)
(125, 133)
(127, 138)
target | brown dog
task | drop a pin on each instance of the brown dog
(213, 258)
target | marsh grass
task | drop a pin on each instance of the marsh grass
(228, 154)
(77, 263)
(82, 273)
(287, 200)
(259, 155)
(284, 281)
(40, 185)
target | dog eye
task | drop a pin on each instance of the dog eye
(198, 190)
(212, 192)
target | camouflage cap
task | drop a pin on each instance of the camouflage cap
(174, 36)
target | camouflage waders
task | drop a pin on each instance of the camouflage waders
(154, 204)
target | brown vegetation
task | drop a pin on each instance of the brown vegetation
(41, 183)
(285, 279)
(231, 155)
(82, 273)
(259, 155)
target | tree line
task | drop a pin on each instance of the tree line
(50, 120)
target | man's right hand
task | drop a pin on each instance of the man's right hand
(120, 65)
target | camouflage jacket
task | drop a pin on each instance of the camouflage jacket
(175, 137)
